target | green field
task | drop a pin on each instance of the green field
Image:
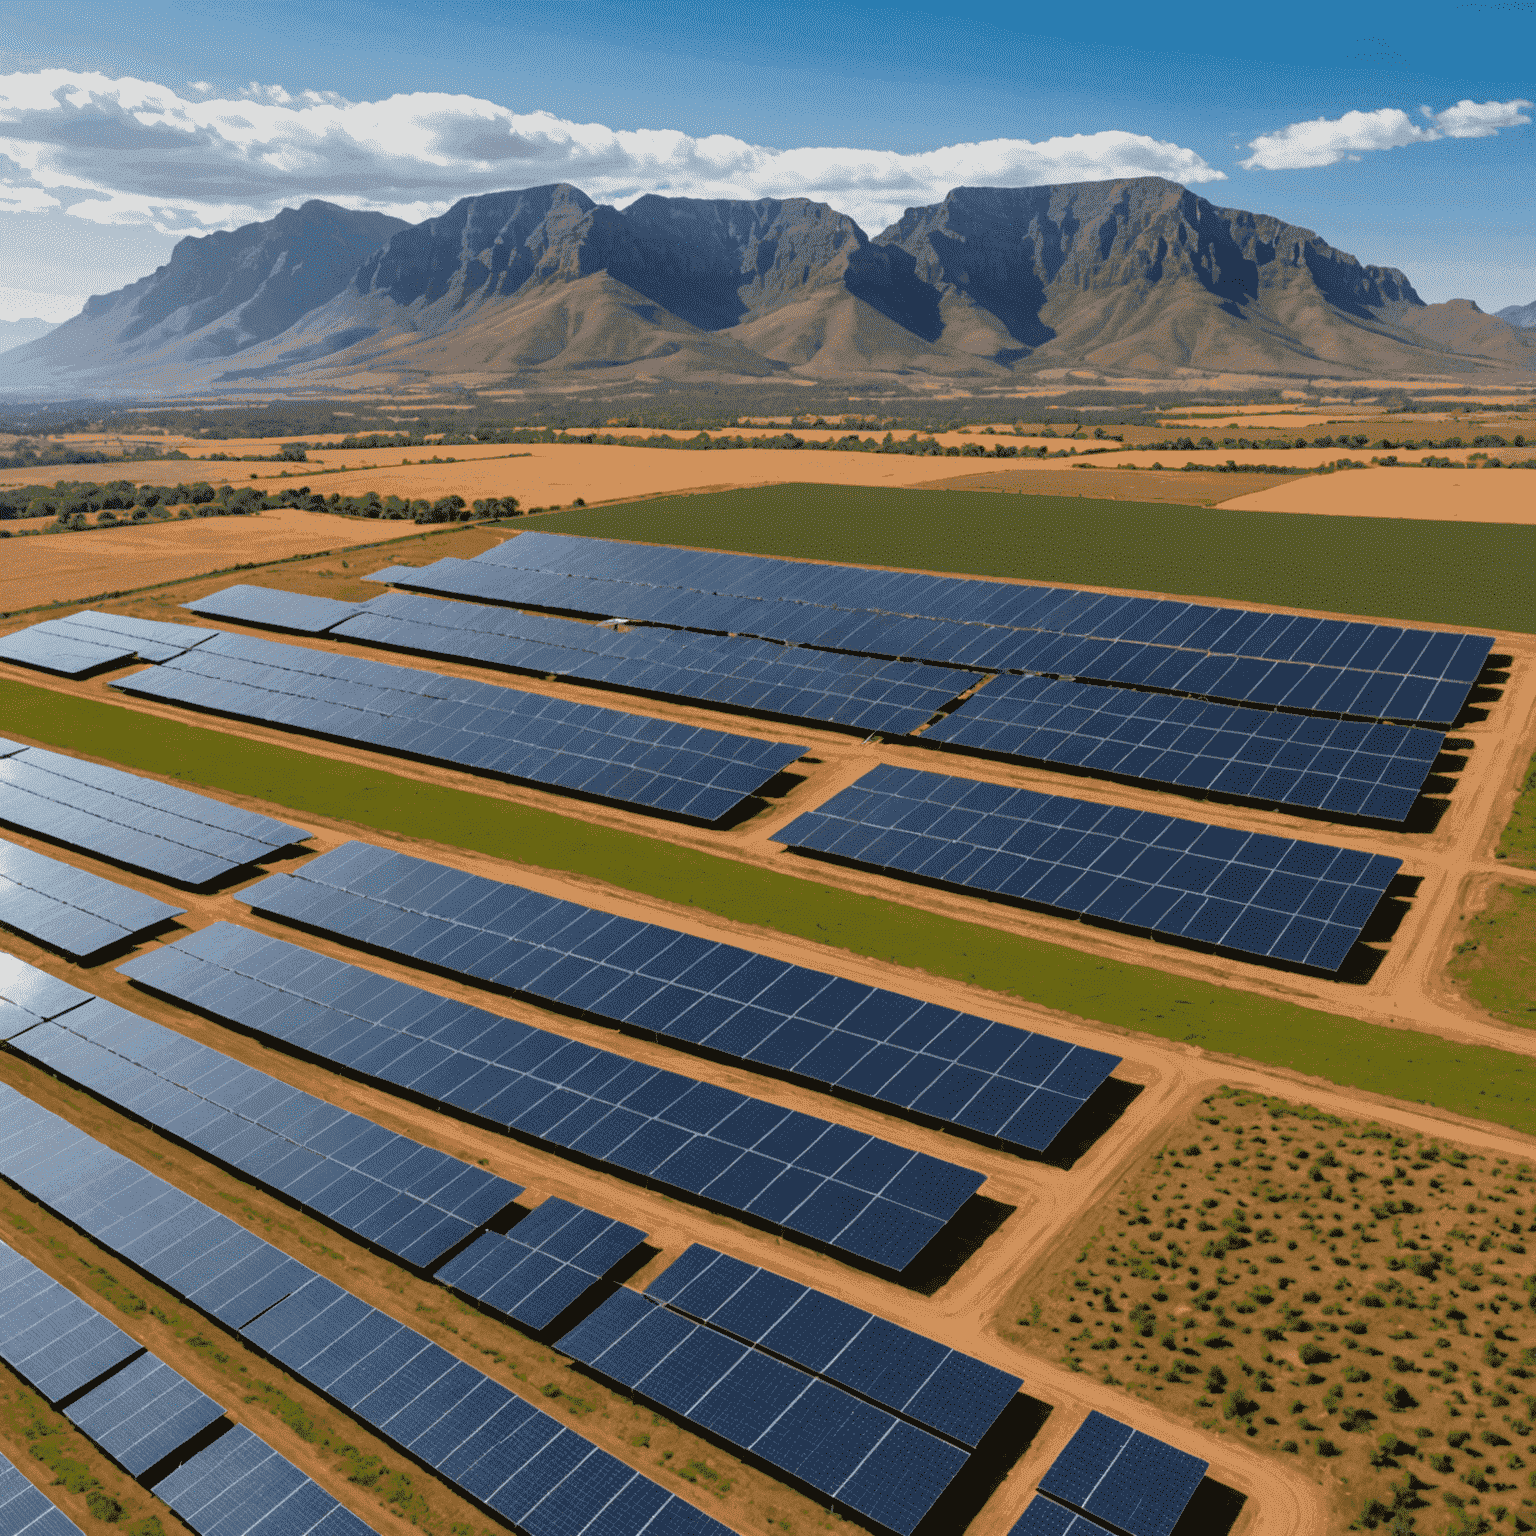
(1518, 843)
(1489, 1084)
(1443, 573)
(1495, 962)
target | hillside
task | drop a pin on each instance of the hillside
(1138, 277)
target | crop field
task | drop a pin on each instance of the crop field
(1285, 1230)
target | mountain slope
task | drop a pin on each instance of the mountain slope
(17, 333)
(1522, 315)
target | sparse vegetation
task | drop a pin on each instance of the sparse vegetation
(1494, 962)
(1329, 1290)
(1518, 844)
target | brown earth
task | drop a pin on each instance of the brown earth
(1440, 495)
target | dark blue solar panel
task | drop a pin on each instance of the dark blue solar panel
(1044, 1517)
(845, 1449)
(412, 1201)
(70, 909)
(989, 1079)
(159, 828)
(1280, 897)
(142, 1413)
(1379, 671)
(1343, 766)
(633, 759)
(855, 1193)
(27, 1511)
(28, 995)
(1124, 1478)
(274, 608)
(125, 1208)
(544, 1265)
(938, 1387)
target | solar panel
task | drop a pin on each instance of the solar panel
(28, 996)
(845, 1449)
(409, 1200)
(473, 1432)
(1343, 766)
(631, 759)
(938, 1387)
(1123, 1477)
(1246, 891)
(1043, 1517)
(143, 1413)
(51, 1338)
(158, 828)
(989, 1079)
(856, 1194)
(551, 1259)
(70, 909)
(239, 1484)
(26, 1511)
(84, 642)
(1379, 671)
(273, 608)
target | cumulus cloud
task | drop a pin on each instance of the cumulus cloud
(1327, 140)
(131, 151)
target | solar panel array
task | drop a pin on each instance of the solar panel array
(240, 1486)
(550, 1260)
(50, 1337)
(409, 1200)
(158, 828)
(143, 1413)
(937, 1387)
(274, 608)
(1343, 766)
(84, 642)
(26, 1511)
(480, 1438)
(1381, 671)
(28, 996)
(992, 1079)
(1247, 891)
(859, 1195)
(1044, 1517)
(633, 759)
(70, 909)
(843, 1448)
(1123, 1477)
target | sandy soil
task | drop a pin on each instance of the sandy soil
(75, 567)
(1200, 489)
(1441, 495)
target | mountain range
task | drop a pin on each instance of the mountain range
(544, 286)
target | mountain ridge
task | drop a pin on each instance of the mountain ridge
(1133, 277)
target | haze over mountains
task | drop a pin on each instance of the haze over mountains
(543, 286)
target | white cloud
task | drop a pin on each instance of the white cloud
(30, 304)
(1327, 140)
(125, 151)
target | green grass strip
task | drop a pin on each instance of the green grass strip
(1471, 1080)
(1401, 568)
(1518, 843)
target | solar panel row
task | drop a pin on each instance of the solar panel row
(1383, 670)
(407, 1199)
(992, 1079)
(275, 608)
(845, 1449)
(1044, 1517)
(859, 1195)
(84, 642)
(1343, 766)
(70, 909)
(146, 825)
(632, 759)
(28, 996)
(143, 1413)
(937, 1387)
(1274, 896)
(240, 1486)
(26, 1511)
(551, 1259)
(1123, 1477)
(478, 1436)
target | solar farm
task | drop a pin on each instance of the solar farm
(590, 1037)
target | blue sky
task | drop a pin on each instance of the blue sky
(870, 107)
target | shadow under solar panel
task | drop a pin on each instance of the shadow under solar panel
(637, 760)
(1300, 902)
(988, 1079)
(856, 1194)
(1044, 1517)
